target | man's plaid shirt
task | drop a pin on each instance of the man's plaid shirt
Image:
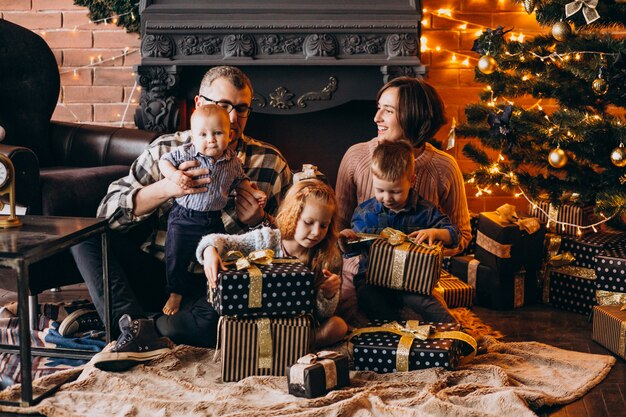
(262, 162)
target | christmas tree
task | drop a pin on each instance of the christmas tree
(573, 152)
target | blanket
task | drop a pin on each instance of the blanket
(506, 379)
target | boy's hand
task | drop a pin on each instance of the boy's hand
(426, 235)
(331, 284)
(212, 265)
(261, 198)
(345, 236)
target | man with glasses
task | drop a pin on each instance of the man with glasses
(137, 206)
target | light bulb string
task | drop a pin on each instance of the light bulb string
(104, 20)
(101, 61)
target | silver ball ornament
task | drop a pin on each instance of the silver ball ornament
(561, 31)
(487, 64)
(618, 156)
(557, 158)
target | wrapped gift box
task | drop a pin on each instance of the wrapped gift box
(263, 346)
(471, 246)
(609, 328)
(567, 213)
(316, 374)
(495, 290)
(280, 289)
(455, 292)
(503, 246)
(409, 267)
(378, 351)
(611, 269)
(571, 288)
(586, 248)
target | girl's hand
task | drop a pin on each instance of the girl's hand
(331, 284)
(426, 235)
(212, 265)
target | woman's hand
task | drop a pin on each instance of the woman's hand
(331, 283)
(212, 265)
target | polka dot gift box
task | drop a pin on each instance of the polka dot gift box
(586, 248)
(279, 289)
(407, 346)
(611, 269)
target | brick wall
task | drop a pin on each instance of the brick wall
(99, 94)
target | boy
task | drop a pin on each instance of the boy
(395, 204)
(197, 214)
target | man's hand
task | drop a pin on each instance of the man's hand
(212, 265)
(331, 284)
(248, 209)
(193, 184)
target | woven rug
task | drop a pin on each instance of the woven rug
(505, 379)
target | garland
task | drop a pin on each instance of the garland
(120, 12)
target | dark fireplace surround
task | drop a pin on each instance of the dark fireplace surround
(319, 63)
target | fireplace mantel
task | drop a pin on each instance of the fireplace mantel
(301, 56)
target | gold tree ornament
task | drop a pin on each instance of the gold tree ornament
(618, 156)
(561, 31)
(557, 158)
(529, 6)
(487, 64)
(600, 86)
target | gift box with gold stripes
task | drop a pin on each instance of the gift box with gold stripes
(407, 266)
(611, 269)
(407, 346)
(571, 288)
(316, 374)
(455, 292)
(278, 289)
(495, 290)
(262, 346)
(573, 214)
(505, 247)
(609, 328)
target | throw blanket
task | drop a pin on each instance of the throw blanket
(507, 379)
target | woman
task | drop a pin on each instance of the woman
(409, 109)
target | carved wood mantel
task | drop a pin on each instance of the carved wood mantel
(301, 56)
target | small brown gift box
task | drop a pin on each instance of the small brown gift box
(455, 292)
(609, 328)
(407, 266)
(262, 346)
(573, 214)
(316, 374)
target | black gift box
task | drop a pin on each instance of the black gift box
(495, 290)
(611, 269)
(287, 290)
(503, 246)
(586, 248)
(315, 375)
(571, 288)
(376, 351)
(471, 246)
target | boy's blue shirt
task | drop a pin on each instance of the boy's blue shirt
(372, 217)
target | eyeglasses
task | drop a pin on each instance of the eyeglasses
(243, 110)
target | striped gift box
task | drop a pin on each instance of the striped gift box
(567, 213)
(409, 267)
(262, 346)
(609, 328)
(455, 292)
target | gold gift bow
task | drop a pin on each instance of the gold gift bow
(413, 330)
(507, 213)
(589, 9)
(608, 298)
(324, 358)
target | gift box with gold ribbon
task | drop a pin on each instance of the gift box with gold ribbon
(609, 328)
(407, 346)
(262, 346)
(316, 374)
(611, 269)
(571, 213)
(455, 292)
(263, 286)
(495, 290)
(507, 243)
(397, 262)
(571, 288)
